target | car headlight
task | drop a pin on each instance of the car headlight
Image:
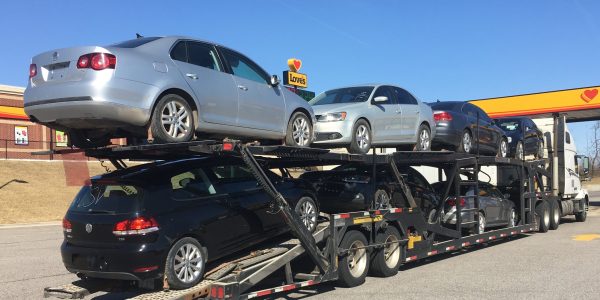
(509, 139)
(331, 117)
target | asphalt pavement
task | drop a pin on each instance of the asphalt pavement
(556, 265)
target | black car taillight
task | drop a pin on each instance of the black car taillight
(452, 201)
(442, 116)
(66, 224)
(137, 226)
(97, 61)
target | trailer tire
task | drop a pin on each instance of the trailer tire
(582, 215)
(554, 215)
(542, 216)
(184, 245)
(354, 264)
(380, 265)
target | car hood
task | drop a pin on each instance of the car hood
(332, 108)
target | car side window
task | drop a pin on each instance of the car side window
(404, 97)
(203, 55)
(496, 193)
(179, 52)
(567, 138)
(387, 92)
(244, 67)
(191, 184)
(469, 110)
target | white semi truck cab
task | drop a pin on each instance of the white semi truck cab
(568, 168)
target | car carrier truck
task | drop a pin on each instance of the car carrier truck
(346, 247)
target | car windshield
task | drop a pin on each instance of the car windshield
(343, 95)
(509, 125)
(135, 43)
(107, 199)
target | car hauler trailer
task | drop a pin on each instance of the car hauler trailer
(348, 246)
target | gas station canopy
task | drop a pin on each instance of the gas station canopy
(578, 105)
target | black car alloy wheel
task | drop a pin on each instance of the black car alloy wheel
(185, 263)
(308, 212)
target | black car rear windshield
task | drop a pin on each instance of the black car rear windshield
(344, 95)
(135, 43)
(107, 199)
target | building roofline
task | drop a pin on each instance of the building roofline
(11, 90)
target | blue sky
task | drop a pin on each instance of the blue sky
(447, 50)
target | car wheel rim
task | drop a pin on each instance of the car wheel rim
(424, 139)
(556, 216)
(481, 228)
(546, 217)
(357, 259)
(467, 142)
(382, 201)
(188, 263)
(391, 251)
(176, 119)
(520, 151)
(308, 215)
(503, 148)
(301, 131)
(362, 137)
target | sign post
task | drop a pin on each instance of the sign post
(293, 80)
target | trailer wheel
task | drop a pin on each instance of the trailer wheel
(554, 215)
(185, 264)
(542, 216)
(354, 264)
(582, 215)
(386, 260)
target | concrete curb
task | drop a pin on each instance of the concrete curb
(21, 225)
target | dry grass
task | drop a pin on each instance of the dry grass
(45, 196)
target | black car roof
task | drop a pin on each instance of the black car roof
(155, 172)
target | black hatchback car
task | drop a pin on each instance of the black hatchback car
(350, 187)
(524, 137)
(172, 218)
(457, 126)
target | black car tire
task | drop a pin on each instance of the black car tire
(381, 200)
(170, 266)
(299, 131)
(554, 215)
(423, 138)
(386, 260)
(75, 138)
(503, 148)
(362, 128)
(582, 215)
(540, 151)
(354, 264)
(466, 142)
(542, 216)
(519, 151)
(179, 116)
(308, 212)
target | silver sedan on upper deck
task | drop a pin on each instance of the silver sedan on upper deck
(174, 86)
(359, 117)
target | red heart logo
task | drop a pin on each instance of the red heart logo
(297, 64)
(589, 95)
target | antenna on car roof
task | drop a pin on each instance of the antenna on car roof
(138, 36)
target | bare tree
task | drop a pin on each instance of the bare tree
(594, 147)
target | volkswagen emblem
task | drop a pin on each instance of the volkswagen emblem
(88, 228)
(55, 56)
